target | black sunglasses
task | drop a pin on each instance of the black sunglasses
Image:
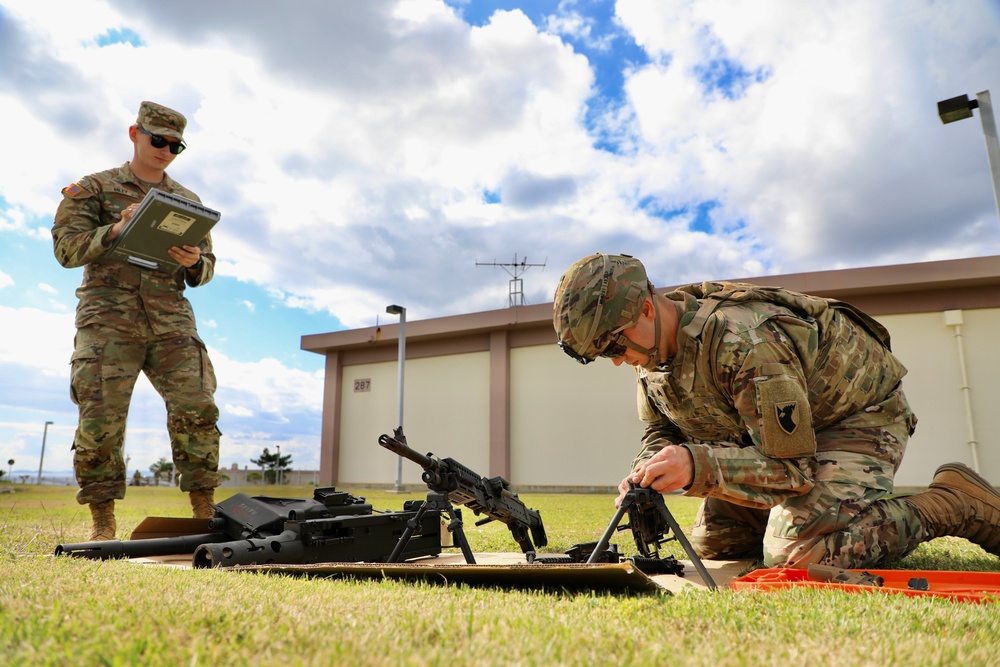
(616, 348)
(156, 141)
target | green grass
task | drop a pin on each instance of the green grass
(77, 612)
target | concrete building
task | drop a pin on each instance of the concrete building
(492, 390)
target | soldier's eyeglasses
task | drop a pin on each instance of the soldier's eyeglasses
(156, 141)
(616, 348)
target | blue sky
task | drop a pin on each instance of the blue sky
(371, 153)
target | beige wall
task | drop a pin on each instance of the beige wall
(571, 425)
(928, 348)
(445, 411)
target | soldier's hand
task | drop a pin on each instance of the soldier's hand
(187, 256)
(622, 490)
(669, 469)
(117, 227)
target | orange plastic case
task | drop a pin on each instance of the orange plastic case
(952, 585)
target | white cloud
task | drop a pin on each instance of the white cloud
(237, 410)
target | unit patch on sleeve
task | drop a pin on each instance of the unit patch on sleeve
(785, 418)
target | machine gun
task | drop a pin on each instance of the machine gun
(333, 526)
(652, 524)
(451, 482)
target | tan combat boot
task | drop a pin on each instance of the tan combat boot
(961, 503)
(203, 503)
(103, 515)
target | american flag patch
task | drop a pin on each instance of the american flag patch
(73, 190)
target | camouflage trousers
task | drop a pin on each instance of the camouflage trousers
(845, 519)
(105, 366)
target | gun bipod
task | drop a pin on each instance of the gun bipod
(636, 498)
(435, 502)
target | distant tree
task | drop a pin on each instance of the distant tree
(162, 469)
(271, 464)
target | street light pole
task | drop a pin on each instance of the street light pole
(959, 108)
(41, 459)
(401, 311)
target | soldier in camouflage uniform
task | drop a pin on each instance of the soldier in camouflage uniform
(783, 411)
(132, 319)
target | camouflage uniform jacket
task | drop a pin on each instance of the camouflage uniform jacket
(771, 377)
(115, 293)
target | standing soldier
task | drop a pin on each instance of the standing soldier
(784, 411)
(131, 319)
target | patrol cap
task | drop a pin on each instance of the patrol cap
(158, 119)
(597, 297)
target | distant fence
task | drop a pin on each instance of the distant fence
(53, 479)
(231, 477)
(253, 477)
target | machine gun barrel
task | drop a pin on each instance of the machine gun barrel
(157, 546)
(283, 548)
(398, 445)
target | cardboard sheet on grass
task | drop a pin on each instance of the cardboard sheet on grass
(507, 570)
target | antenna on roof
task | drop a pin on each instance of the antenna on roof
(515, 270)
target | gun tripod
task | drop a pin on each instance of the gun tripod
(435, 502)
(646, 507)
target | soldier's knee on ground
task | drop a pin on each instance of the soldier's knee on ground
(729, 546)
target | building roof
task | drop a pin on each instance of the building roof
(880, 290)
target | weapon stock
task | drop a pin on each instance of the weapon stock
(491, 496)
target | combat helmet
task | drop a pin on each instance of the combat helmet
(597, 298)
